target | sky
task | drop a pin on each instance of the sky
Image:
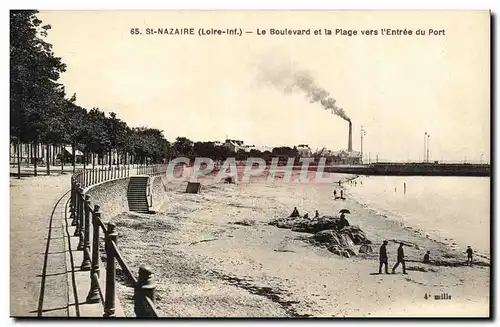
(208, 88)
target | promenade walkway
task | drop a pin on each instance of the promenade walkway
(38, 272)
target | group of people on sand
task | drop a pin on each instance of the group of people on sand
(296, 214)
(341, 197)
(353, 182)
(401, 258)
(343, 222)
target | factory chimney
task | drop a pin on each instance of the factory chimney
(349, 144)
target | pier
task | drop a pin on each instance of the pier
(413, 169)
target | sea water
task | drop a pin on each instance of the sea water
(452, 209)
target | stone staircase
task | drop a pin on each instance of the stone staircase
(137, 194)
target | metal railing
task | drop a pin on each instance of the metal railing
(152, 170)
(88, 226)
(88, 177)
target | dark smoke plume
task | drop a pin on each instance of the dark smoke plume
(290, 79)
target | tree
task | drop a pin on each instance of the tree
(35, 95)
(204, 149)
(117, 132)
(183, 146)
(241, 154)
(149, 145)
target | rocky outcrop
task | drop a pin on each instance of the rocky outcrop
(330, 232)
(307, 225)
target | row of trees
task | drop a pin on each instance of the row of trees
(41, 112)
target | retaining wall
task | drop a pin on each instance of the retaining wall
(111, 196)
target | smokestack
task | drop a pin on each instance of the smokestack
(349, 144)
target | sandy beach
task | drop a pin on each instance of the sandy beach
(207, 265)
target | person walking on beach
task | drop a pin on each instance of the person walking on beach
(335, 193)
(401, 259)
(469, 255)
(342, 194)
(383, 258)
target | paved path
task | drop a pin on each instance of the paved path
(33, 260)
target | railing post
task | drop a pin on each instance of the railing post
(86, 239)
(93, 296)
(145, 288)
(81, 204)
(76, 210)
(109, 303)
(72, 202)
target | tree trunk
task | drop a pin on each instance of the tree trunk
(29, 154)
(73, 146)
(84, 159)
(110, 159)
(53, 149)
(62, 155)
(47, 155)
(35, 163)
(18, 158)
(93, 160)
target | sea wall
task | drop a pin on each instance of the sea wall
(158, 188)
(111, 196)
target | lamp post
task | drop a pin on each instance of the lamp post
(425, 146)
(428, 136)
(363, 133)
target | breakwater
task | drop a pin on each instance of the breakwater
(413, 169)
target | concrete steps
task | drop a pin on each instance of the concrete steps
(137, 194)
